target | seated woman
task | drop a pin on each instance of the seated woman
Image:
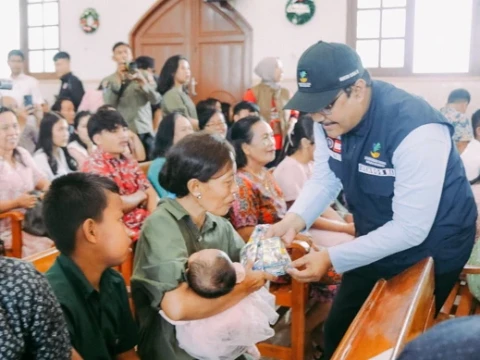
(52, 156)
(260, 199)
(66, 109)
(200, 171)
(173, 128)
(292, 173)
(19, 175)
(213, 121)
(80, 146)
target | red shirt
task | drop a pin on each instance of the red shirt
(128, 176)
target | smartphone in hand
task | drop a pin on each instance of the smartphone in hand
(27, 100)
(28, 104)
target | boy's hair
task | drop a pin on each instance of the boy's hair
(118, 44)
(105, 119)
(61, 55)
(145, 62)
(16, 53)
(245, 105)
(458, 96)
(211, 280)
(70, 201)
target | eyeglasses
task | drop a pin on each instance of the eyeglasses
(327, 110)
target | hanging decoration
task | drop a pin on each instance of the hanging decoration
(90, 20)
(299, 12)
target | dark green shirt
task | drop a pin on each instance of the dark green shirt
(177, 100)
(168, 238)
(101, 325)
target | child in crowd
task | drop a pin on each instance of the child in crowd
(83, 215)
(211, 274)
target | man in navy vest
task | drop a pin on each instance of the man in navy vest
(402, 177)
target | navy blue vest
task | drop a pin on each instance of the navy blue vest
(362, 160)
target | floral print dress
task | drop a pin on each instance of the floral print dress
(260, 201)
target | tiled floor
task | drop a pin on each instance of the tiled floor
(282, 337)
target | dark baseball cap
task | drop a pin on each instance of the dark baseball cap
(322, 71)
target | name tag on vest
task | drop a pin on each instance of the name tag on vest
(370, 170)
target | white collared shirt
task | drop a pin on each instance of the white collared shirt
(24, 85)
(471, 159)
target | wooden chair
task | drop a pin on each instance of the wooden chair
(145, 166)
(16, 219)
(43, 260)
(460, 301)
(397, 311)
(295, 297)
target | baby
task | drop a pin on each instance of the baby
(211, 274)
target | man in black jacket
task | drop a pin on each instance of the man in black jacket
(72, 87)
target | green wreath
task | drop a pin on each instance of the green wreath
(299, 12)
(90, 21)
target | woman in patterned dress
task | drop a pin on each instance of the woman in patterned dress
(260, 199)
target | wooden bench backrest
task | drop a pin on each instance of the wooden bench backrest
(396, 311)
(44, 259)
(144, 166)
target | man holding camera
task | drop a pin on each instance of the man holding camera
(132, 92)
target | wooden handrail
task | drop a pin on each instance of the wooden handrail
(396, 311)
(16, 218)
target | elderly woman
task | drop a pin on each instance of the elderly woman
(271, 97)
(260, 199)
(200, 171)
(19, 176)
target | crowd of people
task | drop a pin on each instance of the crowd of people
(216, 171)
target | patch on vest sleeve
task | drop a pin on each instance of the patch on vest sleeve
(370, 170)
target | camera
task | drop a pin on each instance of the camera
(131, 67)
(6, 84)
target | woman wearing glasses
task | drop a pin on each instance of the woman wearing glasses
(213, 121)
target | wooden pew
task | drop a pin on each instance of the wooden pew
(460, 301)
(44, 259)
(397, 311)
(144, 166)
(295, 297)
(16, 219)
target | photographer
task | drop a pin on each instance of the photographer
(132, 92)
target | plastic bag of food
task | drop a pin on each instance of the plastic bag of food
(269, 255)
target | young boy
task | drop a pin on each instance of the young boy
(83, 215)
(108, 130)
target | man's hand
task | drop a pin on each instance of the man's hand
(311, 267)
(138, 77)
(254, 280)
(287, 229)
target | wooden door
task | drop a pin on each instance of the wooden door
(163, 31)
(216, 40)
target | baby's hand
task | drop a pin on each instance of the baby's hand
(255, 280)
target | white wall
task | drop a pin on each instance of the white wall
(273, 36)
